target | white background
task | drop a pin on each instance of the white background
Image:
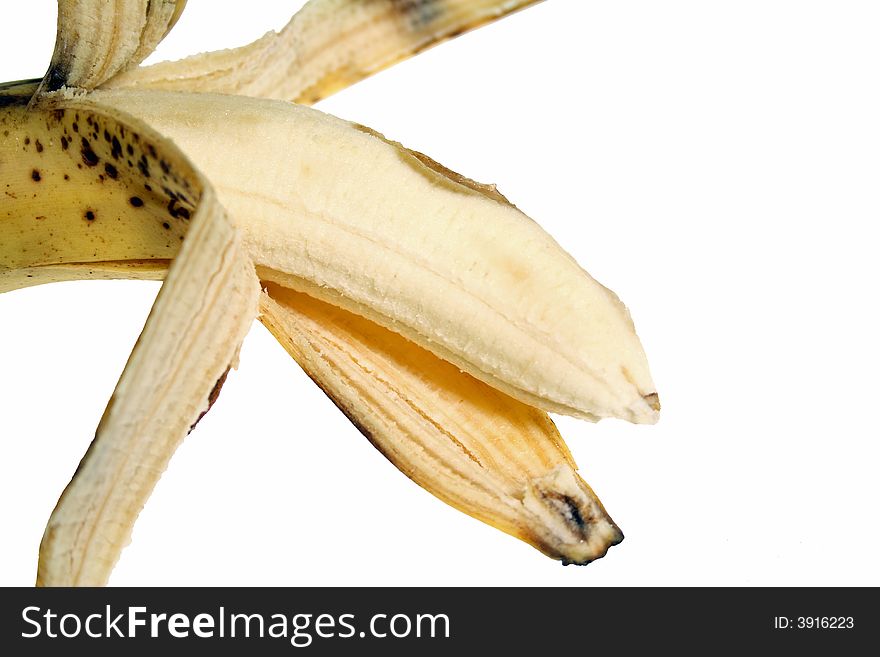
(717, 164)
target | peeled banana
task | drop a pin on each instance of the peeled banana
(439, 318)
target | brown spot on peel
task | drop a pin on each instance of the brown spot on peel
(89, 156)
(419, 13)
(143, 166)
(212, 397)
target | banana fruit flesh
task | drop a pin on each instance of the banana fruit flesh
(438, 317)
(327, 46)
(452, 267)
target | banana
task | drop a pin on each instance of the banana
(327, 46)
(98, 39)
(438, 317)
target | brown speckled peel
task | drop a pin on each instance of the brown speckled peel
(93, 179)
